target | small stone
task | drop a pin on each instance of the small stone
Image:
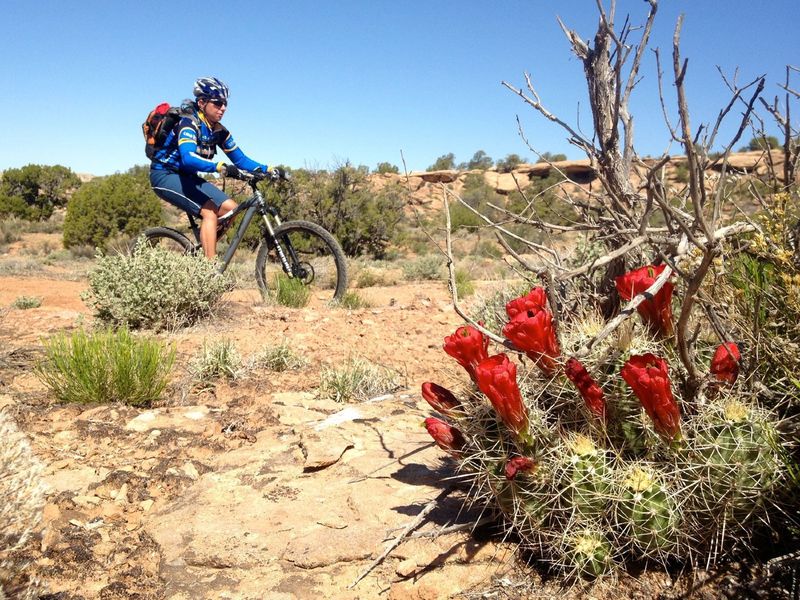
(191, 471)
(406, 568)
(50, 513)
(146, 504)
(86, 500)
(122, 495)
(112, 510)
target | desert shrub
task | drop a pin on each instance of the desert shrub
(9, 231)
(82, 251)
(362, 219)
(23, 492)
(550, 157)
(385, 167)
(105, 366)
(154, 288)
(446, 162)
(461, 217)
(488, 249)
(480, 160)
(280, 357)
(464, 285)
(766, 293)
(107, 207)
(681, 173)
(289, 291)
(357, 380)
(424, 268)
(26, 302)
(509, 163)
(216, 360)
(368, 278)
(34, 191)
(764, 142)
(352, 300)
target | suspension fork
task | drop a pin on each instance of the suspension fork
(285, 264)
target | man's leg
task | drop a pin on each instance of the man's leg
(208, 227)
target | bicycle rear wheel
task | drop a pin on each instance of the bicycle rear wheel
(165, 238)
(316, 262)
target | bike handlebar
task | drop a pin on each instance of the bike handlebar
(256, 176)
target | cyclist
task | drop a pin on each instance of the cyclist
(190, 148)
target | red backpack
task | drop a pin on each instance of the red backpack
(156, 127)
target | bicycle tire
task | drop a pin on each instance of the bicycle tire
(321, 260)
(166, 238)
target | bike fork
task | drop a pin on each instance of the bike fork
(287, 268)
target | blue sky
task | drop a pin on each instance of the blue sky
(315, 83)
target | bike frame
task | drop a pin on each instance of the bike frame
(254, 204)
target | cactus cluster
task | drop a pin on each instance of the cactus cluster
(603, 460)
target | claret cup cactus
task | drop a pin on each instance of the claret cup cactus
(627, 409)
(601, 460)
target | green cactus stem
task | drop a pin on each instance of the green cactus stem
(646, 513)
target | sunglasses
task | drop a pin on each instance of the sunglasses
(219, 103)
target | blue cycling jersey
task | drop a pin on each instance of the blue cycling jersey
(192, 144)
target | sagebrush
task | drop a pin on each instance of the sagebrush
(154, 288)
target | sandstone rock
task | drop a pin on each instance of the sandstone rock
(323, 449)
(189, 419)
(321, 547)
(437, 176)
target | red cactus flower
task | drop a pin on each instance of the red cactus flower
(656, 312)
(535, 300)
(648, 377)
(468, 346)
(447, 437)
(533, 333)
(440, 398)
(589, 389)
(725, 364)
(519, 464)
(497, 379)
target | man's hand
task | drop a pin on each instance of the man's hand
(231, 171)
(277, 174)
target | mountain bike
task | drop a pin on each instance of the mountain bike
(295, 249)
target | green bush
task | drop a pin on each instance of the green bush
(154, 287)
(276, 358)
(428, 267)
(464, 285)
(480, 160)
(762, 142)
(33, 191)
(290, 291)
(352, 300)
(362, 219)
(509, 163)
(550, 157)
(106, 366)
(446, 162)
(385, 167)
(217, 360)
(107, 207)
(9, 231)
(26, 302)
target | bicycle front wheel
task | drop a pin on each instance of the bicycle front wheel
(166, 238)
(315, 271)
